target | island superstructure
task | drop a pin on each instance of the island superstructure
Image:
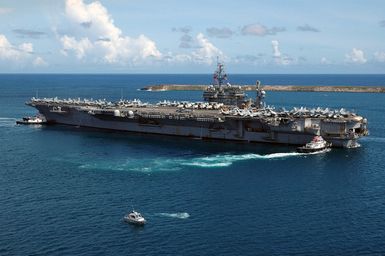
(226, 114)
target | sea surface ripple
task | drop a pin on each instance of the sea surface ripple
(64, 190)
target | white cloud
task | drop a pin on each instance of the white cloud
(177, 58)
(79, 47)
(8, 51)
(356, 56)
(379, 56)
(39, 61)
(276, 52)
(280, 58)
(102, 38)
(125, 48)
(21, 54)
(97, 38)
(206, 52)
(95, 15)
(11, 52)
(26, 47)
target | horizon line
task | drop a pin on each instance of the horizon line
(85, 73)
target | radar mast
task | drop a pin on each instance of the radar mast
(220, 76)
(260, 96)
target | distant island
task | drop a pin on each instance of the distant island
(279, 88)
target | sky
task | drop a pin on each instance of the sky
(171, 36)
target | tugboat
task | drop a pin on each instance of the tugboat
(316, 145)
(135, 218)
(38, 119)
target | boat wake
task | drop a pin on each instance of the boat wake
(177, 215)
(161, 164)
(147, 166)
(227, 159)
(320, 152)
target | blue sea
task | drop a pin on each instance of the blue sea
(64, 190)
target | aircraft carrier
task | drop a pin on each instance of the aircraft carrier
(225, 114)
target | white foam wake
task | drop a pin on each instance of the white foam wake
(176, 164)
(136, 165)
(227, 160)
(177, 215)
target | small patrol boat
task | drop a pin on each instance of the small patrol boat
(32, 120)
(317, 144)
(134, 217)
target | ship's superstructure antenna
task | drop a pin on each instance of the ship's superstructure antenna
(260, 95)
(221, 91)
(220, 76)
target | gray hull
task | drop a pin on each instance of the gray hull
(243, 130)
(225, 115)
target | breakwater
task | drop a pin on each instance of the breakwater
(283, 88)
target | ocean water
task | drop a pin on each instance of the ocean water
(64, 190)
